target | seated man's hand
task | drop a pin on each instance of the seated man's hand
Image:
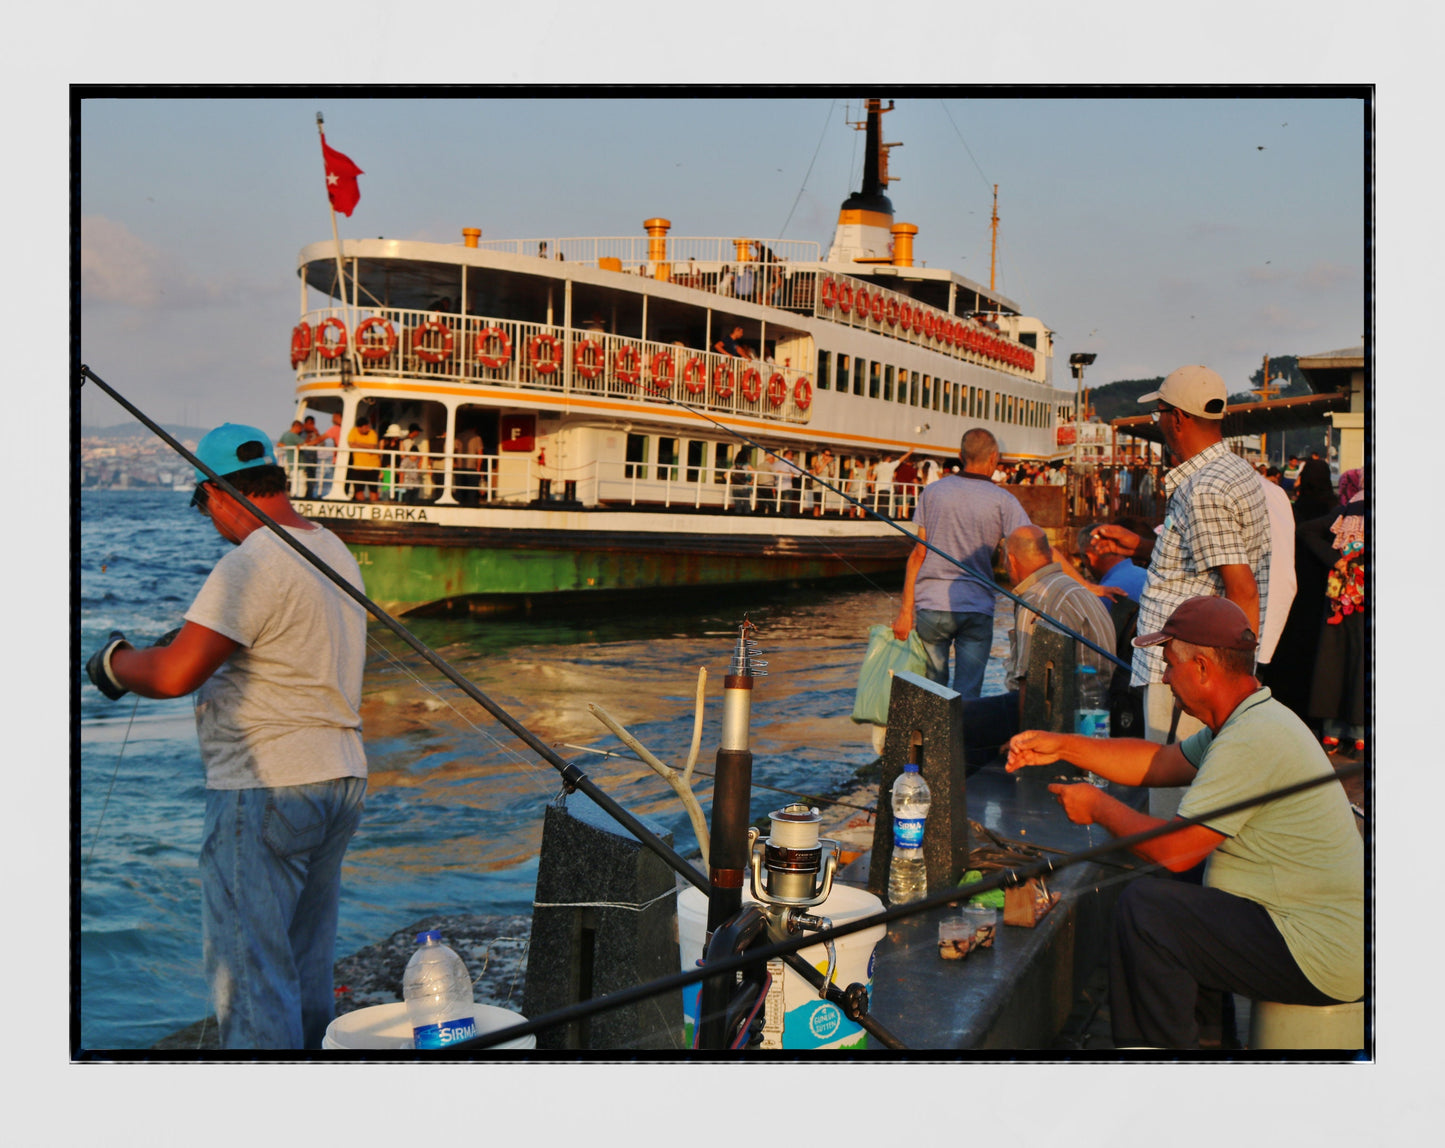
(1110, 592)
(1033, 747)
(1112, 539)
(1079, 800)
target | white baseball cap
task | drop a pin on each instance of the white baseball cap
(1195, 390)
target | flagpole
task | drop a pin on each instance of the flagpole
(336, 238)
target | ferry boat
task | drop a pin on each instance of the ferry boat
(581, 404)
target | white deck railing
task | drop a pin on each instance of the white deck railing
(508, 479)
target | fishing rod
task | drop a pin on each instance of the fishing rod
(572, 777)
(878, 514)
(1004, 877)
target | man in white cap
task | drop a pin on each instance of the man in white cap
(1280, 914)
(1215, 540)
(274, 651)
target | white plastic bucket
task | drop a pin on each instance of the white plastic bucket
(809, 1021)
(386, 1026)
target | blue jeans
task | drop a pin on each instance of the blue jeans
(970, 635)
(270, 890)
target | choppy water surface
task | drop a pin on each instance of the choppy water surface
(454, 805)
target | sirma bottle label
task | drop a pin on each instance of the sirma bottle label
(442, 1035)
(908, 832)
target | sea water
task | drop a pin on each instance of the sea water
(454, 803)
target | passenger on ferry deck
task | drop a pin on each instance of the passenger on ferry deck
(275, 654)
(728, 344)
(1280, 913)
(364, 472)
(740, 482)
(289, 445)
(326, 456)
(884, 472)
(966, 516)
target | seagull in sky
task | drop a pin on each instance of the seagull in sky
(1260, 148)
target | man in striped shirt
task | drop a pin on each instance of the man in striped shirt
(1215, 540)
(989, 722)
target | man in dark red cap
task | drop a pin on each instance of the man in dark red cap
(1280, 915)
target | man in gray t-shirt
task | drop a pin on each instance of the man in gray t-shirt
(965, 515)
(274, 653)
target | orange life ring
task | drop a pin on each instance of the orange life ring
(893, 310)
(330, 350)
(554, 353)
(802, 394)
(829, 292)
(879, 306)
(375, 350)
(777, 390)
(845, 296)
(588, 368)
(925, 327)
(905, 317)
(661, 375)
(430, 354)
(722, 379)
(300, 342)
(485, 336)
(624, 365)
(694, 376)
(860, 300)
(752, 385)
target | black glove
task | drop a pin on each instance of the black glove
(99, 667)
(167, 638)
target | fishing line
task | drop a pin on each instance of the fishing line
(573, 777)
(1060, 626)
(114, 774)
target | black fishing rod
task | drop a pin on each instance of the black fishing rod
(572, 777)
(994, 586)
(1004, 877)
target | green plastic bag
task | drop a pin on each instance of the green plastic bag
(885, 653)
(993, 898)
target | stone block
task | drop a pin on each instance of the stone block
(590, 938)
(933, 713)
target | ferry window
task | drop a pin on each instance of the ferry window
(696, 459)
(667, 458)
(938, 387)
(636, 457)
(927, 393)
(860, 368)
(824, 365)
(875, 379)
(1029, 339)
(845, 364)
(722, 460)
(888, 384)
(913, 392)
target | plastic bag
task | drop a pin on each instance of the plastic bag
(885, 653)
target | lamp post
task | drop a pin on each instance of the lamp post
(1077, 362)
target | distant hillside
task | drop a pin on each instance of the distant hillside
(1120, 399)
(136, 430)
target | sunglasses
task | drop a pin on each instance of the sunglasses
(1160, 411)
(200, 497)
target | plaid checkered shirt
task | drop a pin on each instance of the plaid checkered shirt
(1217, 516)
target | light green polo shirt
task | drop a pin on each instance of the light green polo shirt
(1301, 856)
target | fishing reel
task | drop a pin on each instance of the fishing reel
(792, 856)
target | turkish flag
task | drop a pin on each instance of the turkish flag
(341, 176)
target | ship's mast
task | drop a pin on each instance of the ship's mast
(993, 251)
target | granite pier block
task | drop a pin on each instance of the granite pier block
(605, 919)
(919, 708)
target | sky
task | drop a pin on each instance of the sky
(1150, 231)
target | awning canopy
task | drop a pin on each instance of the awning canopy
(1251, 418)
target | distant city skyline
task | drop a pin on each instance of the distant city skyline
(1150, 231)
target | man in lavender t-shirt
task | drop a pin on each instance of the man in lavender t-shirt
(965, 515)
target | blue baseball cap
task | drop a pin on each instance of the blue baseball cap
(232, 447)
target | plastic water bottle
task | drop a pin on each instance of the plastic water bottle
(1091, 718)
(438, 992)
(908, 875)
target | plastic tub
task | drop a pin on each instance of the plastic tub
(809, 1021)
(385, 1026)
